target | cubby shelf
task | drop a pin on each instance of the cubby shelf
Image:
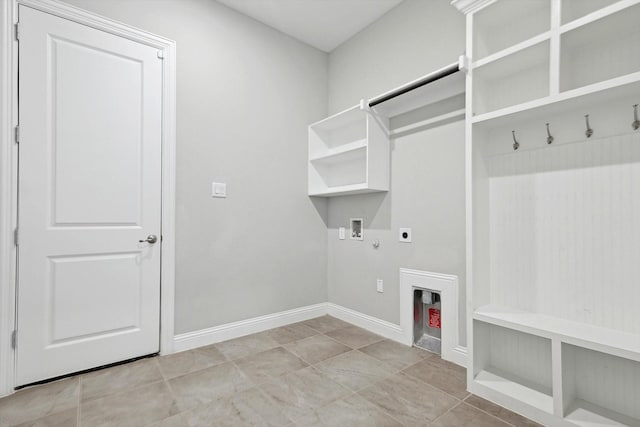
(548, 106)
(585, 414)
(588, 336)
(356, 148)
(508, 386)
(553, 329)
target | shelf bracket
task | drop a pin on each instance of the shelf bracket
(364, 106)
(463, 63)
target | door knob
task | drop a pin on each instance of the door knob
(151, 238)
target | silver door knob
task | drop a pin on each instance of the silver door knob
(151, 239)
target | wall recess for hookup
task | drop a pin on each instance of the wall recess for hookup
(404, 235)
(357, 229)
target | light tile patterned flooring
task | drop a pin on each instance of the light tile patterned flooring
(322, 372)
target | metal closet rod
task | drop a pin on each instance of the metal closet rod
(415, 85)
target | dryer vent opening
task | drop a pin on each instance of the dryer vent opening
(427, 325)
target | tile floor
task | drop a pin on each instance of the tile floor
(322, 372)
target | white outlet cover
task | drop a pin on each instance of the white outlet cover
(401, 235)
(379, 285)
(342, 233)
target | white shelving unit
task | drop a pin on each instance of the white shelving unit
(348, 154)
(553, 237)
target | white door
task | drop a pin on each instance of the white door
(89, 190)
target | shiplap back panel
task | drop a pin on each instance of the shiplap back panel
(604, 380)
(523, 356)
(565, 231)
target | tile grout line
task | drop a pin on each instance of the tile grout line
(446, 412)
(433, 386)
(490, 414)
(78, 413)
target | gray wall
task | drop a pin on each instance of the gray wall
(427, 176)
(245, 96)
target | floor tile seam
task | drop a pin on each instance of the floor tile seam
(78, 413)
(300, 357)
(435, 420)
(351, 393)
(488, 413)
(435, 387)
(258, 384)
(332, 357)
(339, 342)
(380, 408)
(268, 397)
(128, 390)
(355, 348)
(168, 380)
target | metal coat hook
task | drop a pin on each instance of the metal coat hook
(636, 123)
(549, 137)
(516, 144)
(589, 131)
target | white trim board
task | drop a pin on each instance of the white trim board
(372, 324)
(447, 285)
(8, 166)
(208, 336)
(202, 337)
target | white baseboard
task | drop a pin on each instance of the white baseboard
(459, 356)
(228, 331)
(203, 337)
(372, 324)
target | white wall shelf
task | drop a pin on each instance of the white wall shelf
(348, 154)
(552, 232)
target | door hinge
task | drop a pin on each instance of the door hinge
(17, 134)
(15, 236)
(160, 54)
(13, 339)
(17, 31)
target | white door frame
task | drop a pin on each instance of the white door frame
(9, 160)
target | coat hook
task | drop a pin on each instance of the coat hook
(589, 131)
(549, 137)
(516, 144)
(636, 123)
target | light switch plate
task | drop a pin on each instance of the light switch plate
(341, 233)
(218, 189)
(380, 285)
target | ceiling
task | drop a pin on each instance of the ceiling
(324, 24)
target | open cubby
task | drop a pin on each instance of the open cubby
(601, 50)
(599, 389)
(512, 80)
(337, 171)
(514, 364)
(337, 132)
(552, 231)
(574, 9)
(348, 154)
(506, 23)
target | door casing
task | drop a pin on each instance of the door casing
(9, 167)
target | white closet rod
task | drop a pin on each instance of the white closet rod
(422, 81)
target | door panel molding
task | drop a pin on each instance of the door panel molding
(9, 158)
